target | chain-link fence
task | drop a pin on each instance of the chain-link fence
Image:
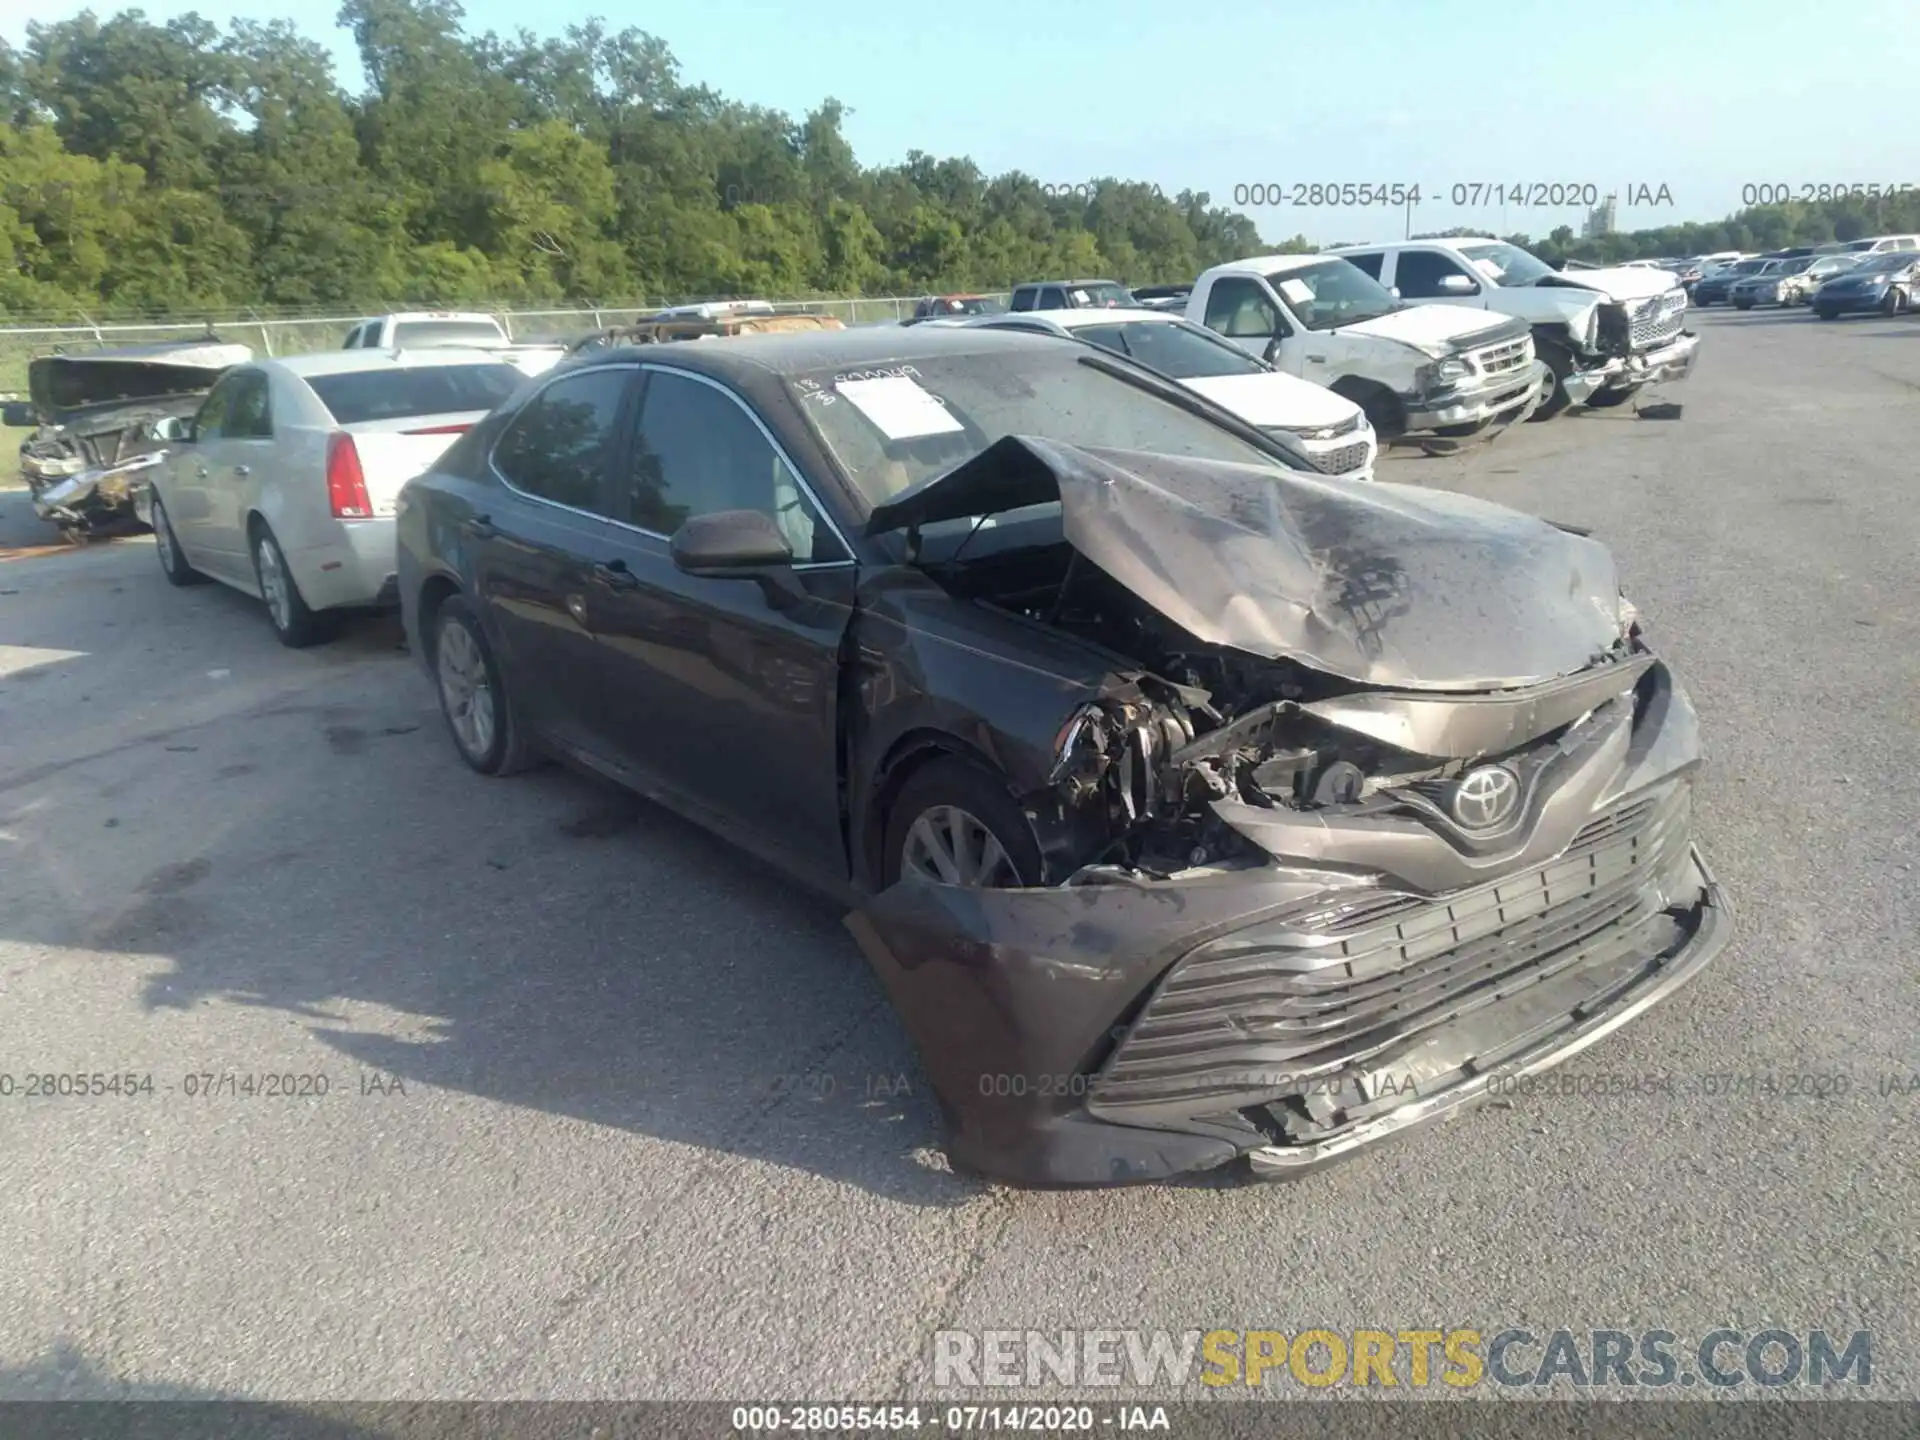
(273, 334)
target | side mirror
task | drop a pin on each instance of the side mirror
(1272, 353)
(19, 414)
(174, 429)
(1394, 291)
(1457, 285)
(730, 544)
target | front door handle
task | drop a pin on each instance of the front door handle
(615, 575)
(243, 470)
(481, 527)
(202, 471)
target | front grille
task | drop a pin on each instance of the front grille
(1339, 462)
(1658, 320)
(1241, 1015)
(1504, 359)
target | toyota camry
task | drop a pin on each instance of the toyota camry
(1194, 808)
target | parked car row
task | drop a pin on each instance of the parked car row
(1193, 804)
(1879, 273)
(1382, 327)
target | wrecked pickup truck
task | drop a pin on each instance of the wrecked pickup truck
(1192, 806)
(98, 418)
(1606, 332)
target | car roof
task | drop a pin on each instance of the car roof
(1028, 284)
(800, 352)
(409, 315)
(1079, 319)
(347, 362)
(1271, 264)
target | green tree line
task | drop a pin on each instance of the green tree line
(175, 167)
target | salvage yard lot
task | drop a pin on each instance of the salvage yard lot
(611, 1110)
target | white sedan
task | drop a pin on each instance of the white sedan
(283, 485)
(1326, 430)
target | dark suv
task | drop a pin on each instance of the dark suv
(1072, 295)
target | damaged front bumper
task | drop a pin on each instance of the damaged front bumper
(1502, 400)
(93, 499)
(1381, 970)
(1672, 361)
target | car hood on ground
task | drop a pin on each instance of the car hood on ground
(61, 384)
(1381, 584)
(1276, 400)
(1436, 330)
(1618, 282)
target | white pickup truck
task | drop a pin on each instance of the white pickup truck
(421, 329)
(1415, 369)
(1604, 333)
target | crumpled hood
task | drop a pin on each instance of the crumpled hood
(1435, 330)
(1616, 282)
(1380, 584)
(63, 384)
(1276, 400)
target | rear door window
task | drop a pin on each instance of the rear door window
(249, 417)
(560, 446)
(1369, 263)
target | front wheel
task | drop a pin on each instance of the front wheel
(1561, 364)
(1894, 302)
(1826, 314)
(956, 823)
(173, 560)
(473, 694)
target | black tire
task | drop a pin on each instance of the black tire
(950, 783)
(1894, 303)
(173, 561)
(296, 626)
(1743, 304)
(1607, 399)
(1826, 314)
(1561, 363)
(504, 748)
(1381, 406)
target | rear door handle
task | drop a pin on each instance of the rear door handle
(481, 527)
(243, 470)
(615, 575)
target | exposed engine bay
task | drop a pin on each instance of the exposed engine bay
(1136, 770)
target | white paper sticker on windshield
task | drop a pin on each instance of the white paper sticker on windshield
(1488, 269)
(899, 407)
(1298, 291)
(1080, 297)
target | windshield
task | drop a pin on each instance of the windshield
(1506, 264)
(1887, 260)
(447, 332)
(1332, 293)
(1178, 351)
(962, 305)
(1104, 295)
(891, 426)
(402, 393)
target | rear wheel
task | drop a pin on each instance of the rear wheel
(173, 560)
(1826, 314)
(295, 624)
(473, 694)
(1561, 364)
(955, 823)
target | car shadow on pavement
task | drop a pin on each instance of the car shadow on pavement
(546, 941)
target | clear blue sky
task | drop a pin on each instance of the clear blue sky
(1701, 96)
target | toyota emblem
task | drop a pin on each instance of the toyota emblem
(1485, 797)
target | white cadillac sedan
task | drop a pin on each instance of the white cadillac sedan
(1326, 430)
(283, 484)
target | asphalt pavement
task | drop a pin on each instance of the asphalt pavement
(587, 1104)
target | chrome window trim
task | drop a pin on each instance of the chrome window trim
(634, 365)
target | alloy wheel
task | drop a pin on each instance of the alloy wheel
(163, 536)
(274, 583)
(465, 690)
(950, 846)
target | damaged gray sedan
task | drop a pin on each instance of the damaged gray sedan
(1191, 806)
